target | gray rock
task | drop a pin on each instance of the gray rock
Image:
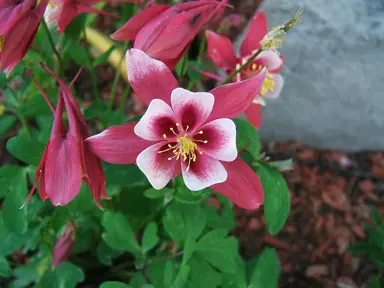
(334, 75)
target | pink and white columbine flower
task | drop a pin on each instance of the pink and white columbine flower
(222, 53)
(184, 132)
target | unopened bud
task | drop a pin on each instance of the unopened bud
(64, 245)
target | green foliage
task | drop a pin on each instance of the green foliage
(247, 138)
(276, 197)
(26, 149)
(267, 270)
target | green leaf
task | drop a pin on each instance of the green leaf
(150, 238)
(124, 175)
(374, 282)
(79, 54)
(186, 196)
(267, 270)
(101, 59)
(168, 274)
(182, 66)
(182, 277)
(114, 284)
(362, 248)
(65, 275)
(247, 138)
(202, 274)
(15, 219)
(376, 216)
(35, 106)
(184, 222)
(118, 233)
(225, 218)
(10, 241)
(153, 193)
(25, 149)
(106, 254)
(97, 109)
(219, 250)
(276, 197)
(5, 269)
(6, 123)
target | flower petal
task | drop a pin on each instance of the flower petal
(233, 99)
(135, 23)
(157, 121)
(256, 32)
(204, 172)
(279, 83)
(221, 51)
(94, 175)
(118, 144)
(253, 115)
(220, 135)
(243, 187)
(63, 169)
(191, 109)
(156, 166)
(149, 78)
(271, 59)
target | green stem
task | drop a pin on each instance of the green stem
(124, 99)
(116, 83)
(91, 68)
(24, 123)
(242, 67)
(52, 43)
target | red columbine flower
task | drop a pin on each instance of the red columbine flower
(164, 32)
(63, 11)
(67, 160)
(221, 51)
(18, 27)
(184, 132)
(64, 245)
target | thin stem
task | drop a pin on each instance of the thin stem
(52, 43)
(241, 68)
(116, 83)
(124, 99)
(91, 68)
(163, 259)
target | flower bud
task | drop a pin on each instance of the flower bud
(64, 245)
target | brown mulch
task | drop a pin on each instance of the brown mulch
(330, 197)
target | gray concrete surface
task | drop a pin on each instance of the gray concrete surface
(334, 75)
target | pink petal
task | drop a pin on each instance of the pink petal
(63, 169)
(94, 175)
(220, 135)
(204, 172)
(137, 22)
(253, 115)
(257, 30)
(191, 109)
(279, 83)
(117, 144)
(220, 50)
(149, 78)
(156, 166)
(269, 58)
(157, 122)
(233, 99)
(243, 187)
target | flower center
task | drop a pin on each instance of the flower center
(268, 85)
(185, 148)
(1, 42)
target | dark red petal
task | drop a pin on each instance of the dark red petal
(253, 114)
(257, 30)
(231, 100)
(149, 78)
(63, 169)
(220, 50)
(137, 22)
(118, 144)
(243, 187)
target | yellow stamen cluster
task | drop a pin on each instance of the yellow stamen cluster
(185, 147)
(268, 85)
(1, 42)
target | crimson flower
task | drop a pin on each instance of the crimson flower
(63, 11)
(164, 32)
(184, 132)
(64, 245)
(222, 53)
(67, 160)
(18, 26)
